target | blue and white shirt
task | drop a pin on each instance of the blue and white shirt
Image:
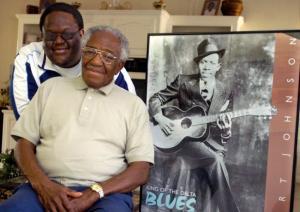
(32, 67)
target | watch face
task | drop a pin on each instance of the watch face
(96, 187)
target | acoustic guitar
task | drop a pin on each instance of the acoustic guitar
(192, 124)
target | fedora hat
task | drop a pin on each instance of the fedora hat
(206, 48)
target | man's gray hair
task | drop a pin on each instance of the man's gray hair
(115, 32)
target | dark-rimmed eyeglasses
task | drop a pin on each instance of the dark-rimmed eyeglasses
(51, 36)
(107, 57)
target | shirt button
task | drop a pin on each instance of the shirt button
(89, 97)
(86, 108)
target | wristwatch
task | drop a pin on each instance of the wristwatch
(98, 188)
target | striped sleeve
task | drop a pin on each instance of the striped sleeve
(123, 80)
(23, 85)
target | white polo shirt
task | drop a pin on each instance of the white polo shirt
(83, 135)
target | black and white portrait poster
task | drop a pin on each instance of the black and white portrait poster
(223, 110)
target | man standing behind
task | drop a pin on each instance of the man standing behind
(86, 157)
(59, 54)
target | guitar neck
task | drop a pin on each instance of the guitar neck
(213, 118)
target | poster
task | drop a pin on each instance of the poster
(223, 110)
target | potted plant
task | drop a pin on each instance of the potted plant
(4, 96)
(232, 7)
(10, 174)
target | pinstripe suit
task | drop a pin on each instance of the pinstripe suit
(185, 90)
(196, 166)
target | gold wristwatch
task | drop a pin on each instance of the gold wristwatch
(98, 188)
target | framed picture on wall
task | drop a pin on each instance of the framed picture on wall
(223, 110)
(211, 7)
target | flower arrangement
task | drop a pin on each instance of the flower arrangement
(159, 4)
(4, 95)
(10, 175)
(8, 167)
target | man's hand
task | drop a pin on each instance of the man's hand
(224, 123)
(85, 201)
(55, 197)
(165, 123)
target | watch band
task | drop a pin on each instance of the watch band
(98, 188)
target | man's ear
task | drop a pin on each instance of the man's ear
(219, 66)
(42, 39)
(120, 65)
(81, 32)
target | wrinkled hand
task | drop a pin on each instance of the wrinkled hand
(55, 197)
(224, 123)
(85, 201)
(165, 124)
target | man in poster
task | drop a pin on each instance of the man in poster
(200, 150)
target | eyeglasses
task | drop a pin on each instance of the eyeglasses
(107, 57)
(51, 36)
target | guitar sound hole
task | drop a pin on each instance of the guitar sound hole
(186, 123)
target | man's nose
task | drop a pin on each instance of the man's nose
(98, 59)
(205, 67)
(59, 39)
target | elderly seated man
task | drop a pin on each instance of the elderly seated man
(84, 143)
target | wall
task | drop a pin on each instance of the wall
(8, 35)
(259, 15)
(271, 14)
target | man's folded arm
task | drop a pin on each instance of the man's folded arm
(136, 174)
(51, 194)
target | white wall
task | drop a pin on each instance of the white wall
(271, 14)
(259, 15)
(8, 35)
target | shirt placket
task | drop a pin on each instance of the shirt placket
(86, 107)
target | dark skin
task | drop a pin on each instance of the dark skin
(56, 197)
(64, 53)
(97, 74)
(53, 196)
